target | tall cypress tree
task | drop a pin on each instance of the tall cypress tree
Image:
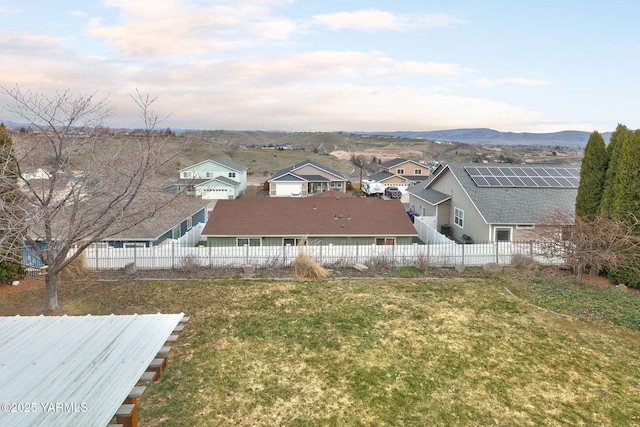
(626, 186)
(613, 149)
(592, 177)
(10, 267)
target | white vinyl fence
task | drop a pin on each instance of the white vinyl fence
(431, 255)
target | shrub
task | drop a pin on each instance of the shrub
(10, 271)
(75, 269)
(523, 262)
(305, 267)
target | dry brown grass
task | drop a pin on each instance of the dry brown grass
(523, 262)
(77, 268)
(306, 268)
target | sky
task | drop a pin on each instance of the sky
(402, 65)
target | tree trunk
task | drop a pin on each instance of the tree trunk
(51, 291)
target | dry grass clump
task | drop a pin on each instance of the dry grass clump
(75, 269)
(305, 267)
(523, 262)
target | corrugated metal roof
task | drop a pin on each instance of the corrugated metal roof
(89, 363)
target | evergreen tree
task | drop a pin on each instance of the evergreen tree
(626, 186)
(592, 176)
(613, 149)
(10, 262)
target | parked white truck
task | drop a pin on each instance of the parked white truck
(371, 188)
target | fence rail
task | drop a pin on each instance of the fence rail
(431, 255)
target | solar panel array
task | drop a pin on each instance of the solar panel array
(524, 176)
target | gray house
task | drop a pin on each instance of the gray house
(494, 203)
(214, 179)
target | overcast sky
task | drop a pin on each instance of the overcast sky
(522, 66)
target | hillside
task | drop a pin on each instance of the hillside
(484, 136)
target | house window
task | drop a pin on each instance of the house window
(385, 241)
(400, 171)
(335, 184)
(134, 245)
(232, 174)
(503, 234)
(188, 174)
(209, 174)
(176, 233)
(458, 217)
(189, 223)
(525, 226)
(294, 242)
(250, 242)
(417, 171)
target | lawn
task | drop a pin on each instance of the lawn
(406, 352)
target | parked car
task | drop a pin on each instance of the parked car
(393, 192)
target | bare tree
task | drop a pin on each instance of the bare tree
(79, 185)
(592, 244)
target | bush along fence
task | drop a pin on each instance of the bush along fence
(423, 256)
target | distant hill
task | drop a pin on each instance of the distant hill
(484, 136)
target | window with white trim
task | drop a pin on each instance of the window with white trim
(294, 242)
(189, 223)
(256, 241)
(458, 217)
(503, 234)
(385, 241)
(417, 171)
(232, 174)
(400, 171)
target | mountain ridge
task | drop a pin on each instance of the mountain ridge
(486, 136)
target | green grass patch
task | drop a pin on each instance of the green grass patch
(373, 352)
(586, 301)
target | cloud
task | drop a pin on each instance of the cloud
(376, 19)
(157, 28)
(521, 81)
(424, 68)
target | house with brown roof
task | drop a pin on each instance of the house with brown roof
(329, 218)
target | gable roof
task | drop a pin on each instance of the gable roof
(398, 161)
(381, 176)
(503, 205)
(220, 161)
(164, 220)
(314, 216)
(292, 170)
(223, 179)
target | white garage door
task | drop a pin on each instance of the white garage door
(288, 188)
(215, 193)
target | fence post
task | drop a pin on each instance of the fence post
(497, 252)
(96, 256)
(210, 260)
(173, 256)
(463, 245)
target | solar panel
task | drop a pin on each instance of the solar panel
(524, 176)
